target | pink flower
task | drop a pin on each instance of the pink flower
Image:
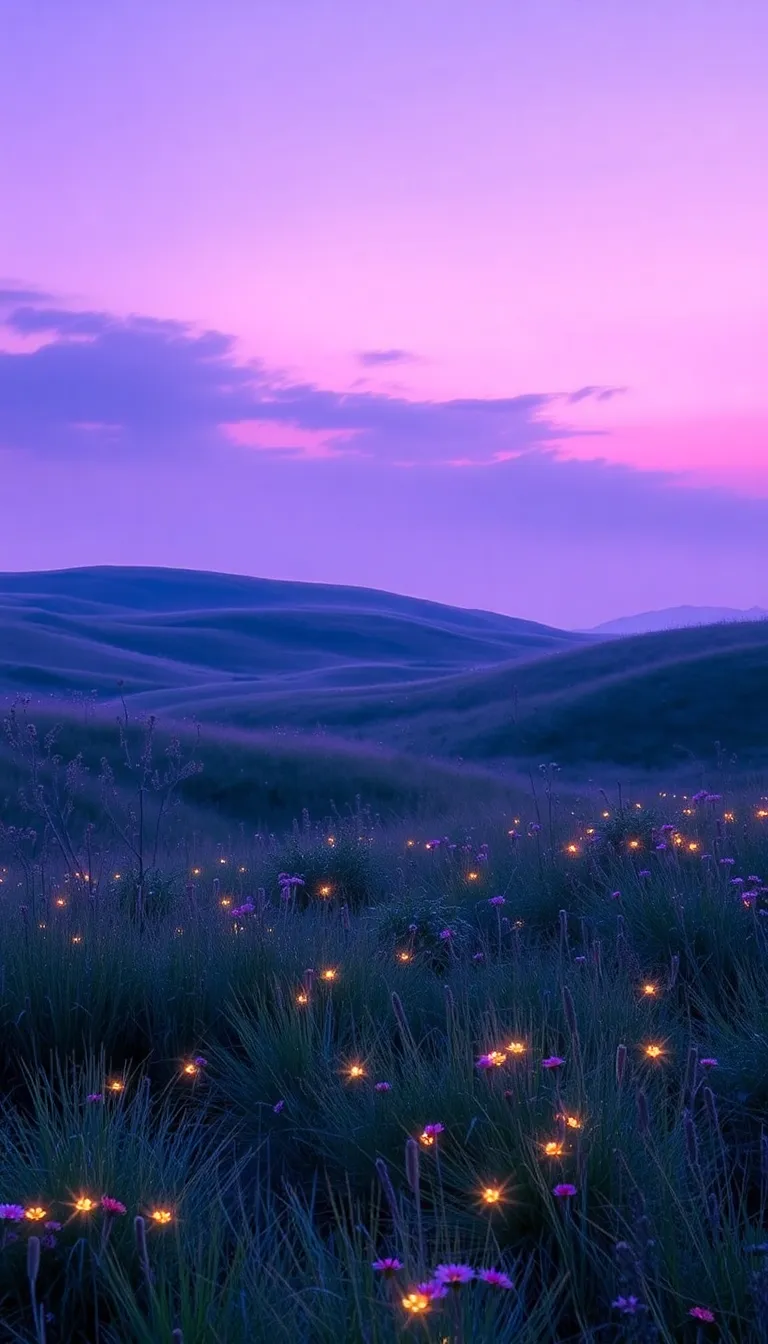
(564, 1191)
(495, 1278)
(432, 1289)
(553, 1062)
(453, 1275)
(11, 1213)
(382, 1087)
(388, 1266)
(701, 1314)
(432, 1131)
(111, 1205)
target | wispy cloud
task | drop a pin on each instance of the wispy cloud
(373, 357)
(163, 386)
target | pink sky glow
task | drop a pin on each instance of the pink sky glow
(535, 199)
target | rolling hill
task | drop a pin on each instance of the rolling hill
(310, 662)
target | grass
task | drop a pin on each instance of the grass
(186, 1035)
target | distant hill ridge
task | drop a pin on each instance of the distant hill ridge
(677, 618)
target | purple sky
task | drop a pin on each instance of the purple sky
(468, 301)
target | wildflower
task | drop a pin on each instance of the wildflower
(701, 1314)
(497, 900)
(564, 1191)
(238, 911)
(495, 1278)
(493, 1060)
(111, 1206)
(52, 1226)
(382, 1087)
(430, 1133)
(36, 1213)
(553, 1149)
(85, 1204)
(329, 975)
(726, 863)
(200, 1061)
(417, 1303)
(161, 1216)
(388, 1266)
(95, 1096)
(446, 934)
(579, 961)
(116, 1085)
(708, 1063)
(491, 1195)
(278, 1106)
(478, 956)
(516, 1047)
(644, 872)
(11, 1213)
(453, 1275)
(553, 1062)
(629, 1306)
(356, 1071)
(48, 1242)
(653, 1051)
(615, 895)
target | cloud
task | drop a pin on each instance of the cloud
(373, 357)
(165, 387)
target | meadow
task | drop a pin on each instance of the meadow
(361, 1081)
(314, 1031)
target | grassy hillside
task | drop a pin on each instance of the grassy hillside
(645, 701)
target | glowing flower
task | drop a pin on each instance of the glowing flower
(553, 1149)
(388, 1266)
(516, 1047)
(650, 989)
(302, 998)
(404, 956)
(191, 1070)
(495, 1278)
(161, 1216)
(116, 1085)
(430, 1133)
(416, 1303)
(564, 1191)
(11, 1213)
(453, 1275)
(85, 1204)
(653, 1051)
(491, 1195)
(112, 1205)
(356, 1071)
(35, 1214)
(493, 1060)
(553, 1062)
(328, 975)
(701, 1314)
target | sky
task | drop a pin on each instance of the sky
(465, 301)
